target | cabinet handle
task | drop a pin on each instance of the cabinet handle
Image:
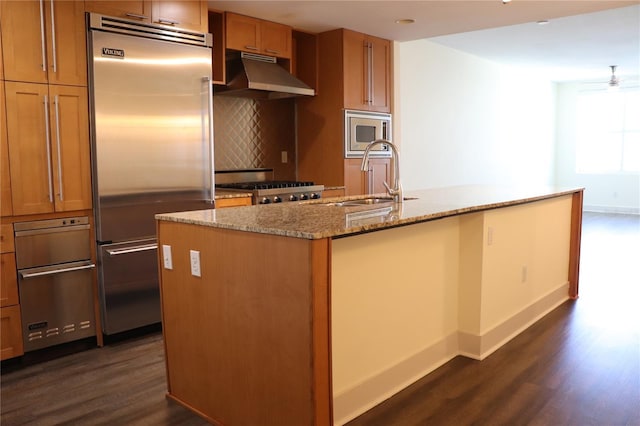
(209, 84)
(135, 15)
(136, 249)
(251, 47)
(53, 38)
(42, 42)
(27, 275)
(167, 21)
(48, 141)
(370, 73)
(57, 111)
(275, 52)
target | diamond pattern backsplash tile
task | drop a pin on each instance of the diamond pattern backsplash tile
(252, 134)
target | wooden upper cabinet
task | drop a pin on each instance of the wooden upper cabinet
(254, 35)
(276, 39)
(191, 15)
(6, 206)
(69, 120)
(136, 10)
(367, 69)
(48, 142)
(44, 42)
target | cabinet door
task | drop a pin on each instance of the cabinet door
(10, 332)
(379, 172)
(243, 33)
(66, 45)
(29, 148)
(7, 243)
(24, 40)
(70, 147)
(276, 39)
(183, 14)
(6, 206)
(355, 181)
(136, 10)
(379, 74)
(9, 284)
(355, 51)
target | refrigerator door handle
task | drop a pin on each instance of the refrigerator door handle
(136, 249)
(209, 84)
(26, 275)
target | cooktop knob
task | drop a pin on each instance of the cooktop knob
(315, 195)
(265, 200)
(304, 197)
(277, 199)
(293, 197)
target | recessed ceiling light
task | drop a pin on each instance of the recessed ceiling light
(506, 1)
(542, 22)
(405, 21)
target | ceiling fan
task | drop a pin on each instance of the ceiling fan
(614, 81)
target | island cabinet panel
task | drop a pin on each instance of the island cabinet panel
(247, 342)
(232, 202)
(44, 42)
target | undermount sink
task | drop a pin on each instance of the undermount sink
(365, 202)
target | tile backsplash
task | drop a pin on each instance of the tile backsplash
(252, 133)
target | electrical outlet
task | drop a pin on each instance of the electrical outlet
(284, 156)
(489, 235)
(524, 273)
(166, 257)
(195, 262)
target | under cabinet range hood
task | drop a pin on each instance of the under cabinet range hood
(260, 77)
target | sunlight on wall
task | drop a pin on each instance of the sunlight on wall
(466, 120)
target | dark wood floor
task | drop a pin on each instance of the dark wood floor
(580, 365)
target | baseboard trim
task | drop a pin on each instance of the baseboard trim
(372, 391)
(611, 209)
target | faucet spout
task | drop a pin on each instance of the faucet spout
(396, 191)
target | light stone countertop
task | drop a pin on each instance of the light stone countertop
(316, 219)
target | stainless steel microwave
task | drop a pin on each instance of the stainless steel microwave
(362, 128)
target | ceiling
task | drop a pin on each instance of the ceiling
(580, 41)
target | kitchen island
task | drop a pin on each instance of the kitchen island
(311, 313)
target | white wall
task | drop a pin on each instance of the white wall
(619, 193)
(461, 119)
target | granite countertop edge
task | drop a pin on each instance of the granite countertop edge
(317, 220)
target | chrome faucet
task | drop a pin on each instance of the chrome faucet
(396, 191)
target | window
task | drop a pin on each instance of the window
(608, 132)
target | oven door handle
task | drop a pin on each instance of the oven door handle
(136, 249)
(26, 275)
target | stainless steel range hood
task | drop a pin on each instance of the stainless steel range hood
(261, 77)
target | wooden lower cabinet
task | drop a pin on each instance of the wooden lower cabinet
(9, 284)
(233, 202)
(357, 182)
(10, 332)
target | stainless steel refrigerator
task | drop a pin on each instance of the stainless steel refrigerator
(152, 152)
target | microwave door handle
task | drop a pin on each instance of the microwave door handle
(384, 130)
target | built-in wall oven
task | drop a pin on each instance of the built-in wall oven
(363, 127)
(55, 281)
